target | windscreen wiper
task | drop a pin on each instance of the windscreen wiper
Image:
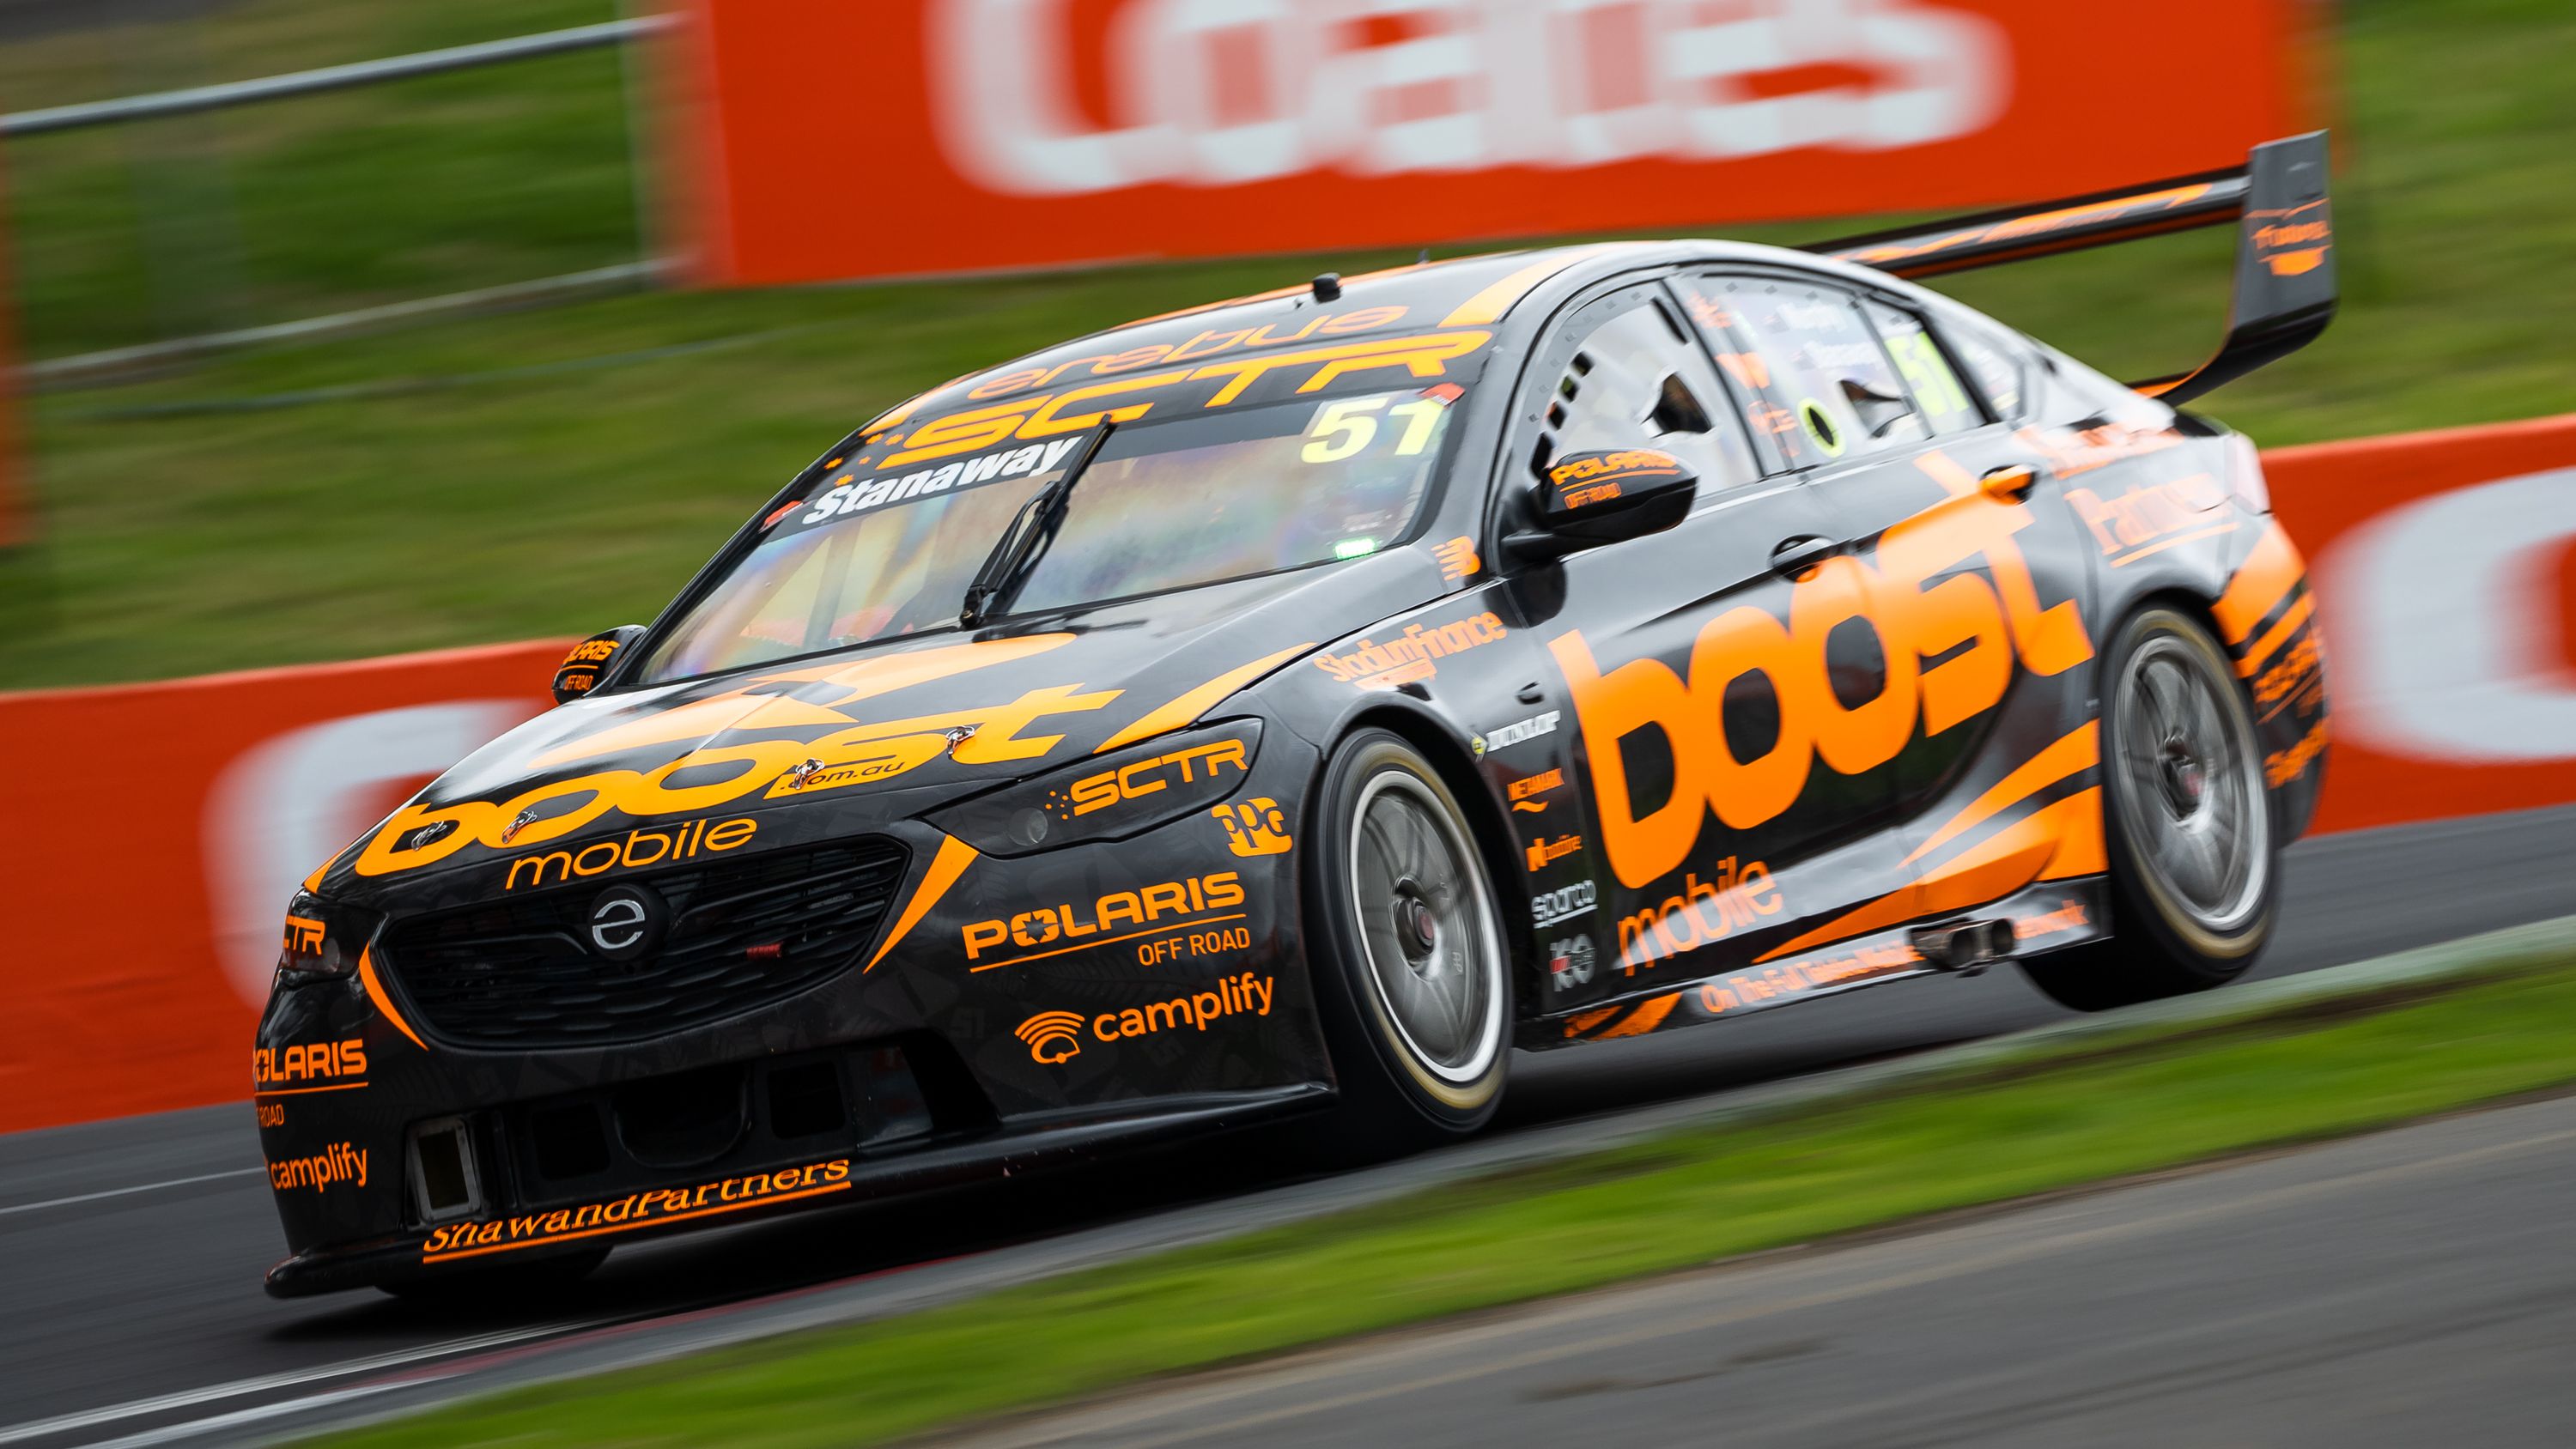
(998, 580)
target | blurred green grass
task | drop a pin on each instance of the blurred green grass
(2054, 1118)
(207, 521)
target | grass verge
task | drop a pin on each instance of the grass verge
(2054, 1117)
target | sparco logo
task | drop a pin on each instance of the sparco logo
(1550, 907)
(624, 922)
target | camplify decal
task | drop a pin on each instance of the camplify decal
(1233, 995)
(1976, 626)
(336, 1164)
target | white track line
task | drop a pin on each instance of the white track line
(91, 1418)
(198, 1428)
(28, 1207)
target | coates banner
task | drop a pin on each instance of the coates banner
(157, 831)
(857, 138)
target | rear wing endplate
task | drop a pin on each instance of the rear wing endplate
(2285, 266)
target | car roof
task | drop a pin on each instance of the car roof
(1482, 293)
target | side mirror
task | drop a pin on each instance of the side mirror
(1588, 499)
(581, 669)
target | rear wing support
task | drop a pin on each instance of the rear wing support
(2285, 267)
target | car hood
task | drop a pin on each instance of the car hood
(878, 732)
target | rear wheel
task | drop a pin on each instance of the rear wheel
(2193, 848)
(1406, 945)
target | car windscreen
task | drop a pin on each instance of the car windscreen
(1161, 506)
(1230, 496)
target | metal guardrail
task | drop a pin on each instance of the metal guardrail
(329, 77)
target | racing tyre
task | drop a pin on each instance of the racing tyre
(1406, 946)
(498, 1284)
(2193, 844)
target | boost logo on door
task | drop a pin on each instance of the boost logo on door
(1975, 624)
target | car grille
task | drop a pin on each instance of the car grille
(740, 934)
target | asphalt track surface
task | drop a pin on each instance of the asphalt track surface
(131, 1251)
(2404, 1289)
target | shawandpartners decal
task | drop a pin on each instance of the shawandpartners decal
(635, 1210)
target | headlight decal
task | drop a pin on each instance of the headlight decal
(1186, 709)
(945, 867)
(383, 999)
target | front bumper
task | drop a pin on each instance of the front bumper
(690, 1201)
(1011, 1012)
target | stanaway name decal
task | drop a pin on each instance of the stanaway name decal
(848, 495)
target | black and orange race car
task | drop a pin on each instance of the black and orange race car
(1298, 703)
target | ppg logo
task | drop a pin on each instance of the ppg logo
(624, 922)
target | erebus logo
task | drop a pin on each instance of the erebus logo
(1052, 1036)
(625, 922)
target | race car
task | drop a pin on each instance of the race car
(1293, 705)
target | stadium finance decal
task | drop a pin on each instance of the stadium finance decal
(1414, 656)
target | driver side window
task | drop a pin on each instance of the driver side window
(1635, 379)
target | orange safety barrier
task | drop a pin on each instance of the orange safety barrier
(155, 831)
(899, 137)
(2441, 564)
(154, 834)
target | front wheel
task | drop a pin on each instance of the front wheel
(2188, 821)
(1407, 948)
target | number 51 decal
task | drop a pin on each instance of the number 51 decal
(1343, 429)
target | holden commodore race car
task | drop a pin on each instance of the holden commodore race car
(1296, 704)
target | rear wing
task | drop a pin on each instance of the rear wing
(2285, 267)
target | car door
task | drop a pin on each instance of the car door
(1948, 526)
(1662, 818)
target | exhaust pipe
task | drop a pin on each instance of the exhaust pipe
(1964, 946)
